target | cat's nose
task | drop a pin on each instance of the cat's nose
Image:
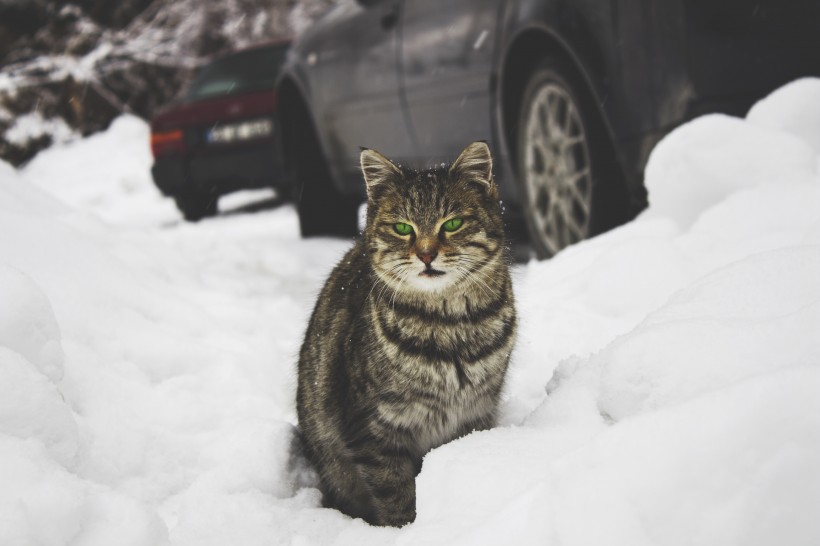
(426, 250)
(427, 256)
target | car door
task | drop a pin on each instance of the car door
(446, 64)
(358, 84)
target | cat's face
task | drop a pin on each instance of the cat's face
(430, 230)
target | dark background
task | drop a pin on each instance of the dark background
(85, 62)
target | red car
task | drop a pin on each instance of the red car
(221, 135)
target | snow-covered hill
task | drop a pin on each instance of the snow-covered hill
(663, 390)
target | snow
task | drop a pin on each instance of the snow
(107, 173)
(663, 390)
(33, 125)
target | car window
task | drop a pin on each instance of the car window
(250, 70)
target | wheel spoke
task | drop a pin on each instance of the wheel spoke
(569, 118)
(544, 115)
(569, 141)
(557, 174)
(575, 230)
(577, 195)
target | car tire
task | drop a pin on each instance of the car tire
(195, 207)
(323, 210)
(562, 152)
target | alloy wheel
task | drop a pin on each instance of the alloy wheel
(557, 172)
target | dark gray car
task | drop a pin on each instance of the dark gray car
(570, 94)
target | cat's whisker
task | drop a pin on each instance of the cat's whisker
(384, 290)
(407, 273)
(391, 272)
(480, 262)
(488, 291)
(478, 282)
(377, 283)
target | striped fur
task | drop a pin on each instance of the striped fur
(396, 360)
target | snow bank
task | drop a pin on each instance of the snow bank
(793, 109)
(44, 499)
(663, 391)
(108, 173)
(146, 389)
(687, 416)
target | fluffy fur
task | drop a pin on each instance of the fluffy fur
(411, 336)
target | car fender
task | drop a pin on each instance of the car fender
(296, 74)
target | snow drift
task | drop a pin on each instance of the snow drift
(663, 391)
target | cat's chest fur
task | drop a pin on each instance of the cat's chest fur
(440, 363)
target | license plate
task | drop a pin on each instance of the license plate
(237, 132)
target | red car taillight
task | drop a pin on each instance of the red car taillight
(167, 142)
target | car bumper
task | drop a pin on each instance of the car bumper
(219, 173)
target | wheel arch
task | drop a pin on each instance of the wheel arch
(295, 120)
(315, 189)
(529, 48)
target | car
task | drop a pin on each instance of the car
(221, 136)
(570, 95)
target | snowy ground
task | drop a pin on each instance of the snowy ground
(664, 389)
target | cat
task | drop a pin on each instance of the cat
(411, 336)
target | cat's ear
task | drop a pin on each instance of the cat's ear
(376, 169)
(475, 164)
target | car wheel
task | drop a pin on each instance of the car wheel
(322, 209)
(560, 156)
(195, 207)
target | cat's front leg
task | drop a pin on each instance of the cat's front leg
(391, 476)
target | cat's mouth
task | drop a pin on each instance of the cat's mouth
(430, 272)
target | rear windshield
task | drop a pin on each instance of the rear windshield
(251, 70)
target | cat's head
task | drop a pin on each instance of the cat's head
(432, 229)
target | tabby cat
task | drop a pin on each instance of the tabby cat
(411, 336)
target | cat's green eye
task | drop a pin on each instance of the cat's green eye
(403, 229)
(452, 224)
